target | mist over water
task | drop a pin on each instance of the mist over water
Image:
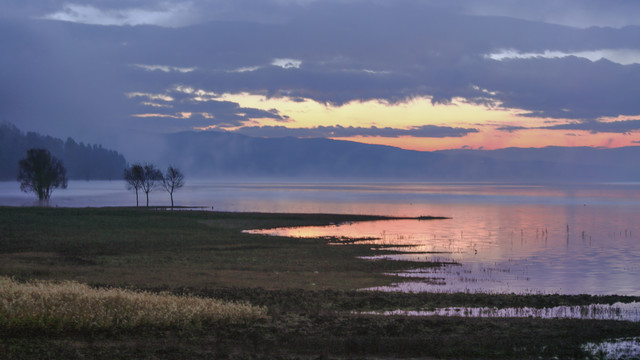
(502, 237)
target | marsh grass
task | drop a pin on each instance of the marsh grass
(69, 305)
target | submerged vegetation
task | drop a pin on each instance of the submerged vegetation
(191, 285)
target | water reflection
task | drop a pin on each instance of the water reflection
(504, 248)
(580, 238)
(617, 311)
(628, 348)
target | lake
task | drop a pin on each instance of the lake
(502, 237)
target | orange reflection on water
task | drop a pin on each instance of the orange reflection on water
(505, 247)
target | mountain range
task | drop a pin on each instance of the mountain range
(210, 153)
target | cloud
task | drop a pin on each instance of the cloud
(332, 52)
(180, 115)
(576, 13)
(169, 15)
(563, 88)
(287, 63)
(619, 56)
(592, 126)
(165, 68)
(162, 97)
(622, 127)
(512, 128)
(193, 94)
(245, 69)
(157, 105)
(337, 131)
(187, 102)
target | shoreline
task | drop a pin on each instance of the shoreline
(307, 286)
(232, 225)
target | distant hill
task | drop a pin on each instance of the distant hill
(555, 163)
(219, 154)
(226, 154)
(85, 162)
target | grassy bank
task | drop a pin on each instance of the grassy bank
(305, 288)
(145, 248)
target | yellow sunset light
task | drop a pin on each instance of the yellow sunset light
(414, 112)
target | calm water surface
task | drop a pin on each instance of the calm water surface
(524, 238)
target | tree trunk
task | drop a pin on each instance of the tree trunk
(171, 194)
(147, 199)
(137, 203)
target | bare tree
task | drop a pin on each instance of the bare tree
(40, 172)
(133, 175)
(172, 181)
(151, 178)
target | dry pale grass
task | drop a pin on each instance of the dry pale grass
(72, 305)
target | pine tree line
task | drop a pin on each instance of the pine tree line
(82, 161)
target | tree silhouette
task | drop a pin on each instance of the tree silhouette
(133, 175)
(151, 178)
(172, 180)
(40, 172)
(82, 161)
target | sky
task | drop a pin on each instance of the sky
(416, 74)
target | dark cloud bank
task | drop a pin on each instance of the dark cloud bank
(338, 131)
(71, 79)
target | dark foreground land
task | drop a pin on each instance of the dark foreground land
(307, 286)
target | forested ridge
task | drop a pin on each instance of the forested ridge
(82, 161)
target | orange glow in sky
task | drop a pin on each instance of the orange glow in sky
(420, 111)
(415, 112)
(494, 139)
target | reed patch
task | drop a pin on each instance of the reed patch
(69, 305)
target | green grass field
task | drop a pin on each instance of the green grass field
(306, 288)
(149, 248)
